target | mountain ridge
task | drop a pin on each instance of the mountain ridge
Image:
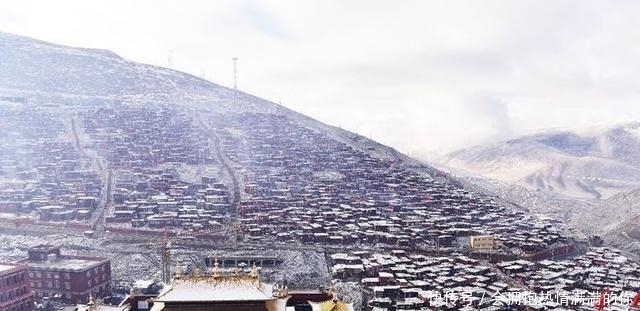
(593, 163)
(31, 67)
(27, 73)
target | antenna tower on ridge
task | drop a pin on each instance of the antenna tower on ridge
(235, 73)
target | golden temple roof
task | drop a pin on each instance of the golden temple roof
(333, 305)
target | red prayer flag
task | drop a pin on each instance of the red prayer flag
(636, 300)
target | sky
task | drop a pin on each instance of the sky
(426, 77)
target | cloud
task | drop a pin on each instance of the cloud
(423, 76)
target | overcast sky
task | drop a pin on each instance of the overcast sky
(426, 77)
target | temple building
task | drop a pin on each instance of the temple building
(92, 305)
(236, 290)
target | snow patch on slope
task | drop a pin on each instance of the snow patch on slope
(594, 163)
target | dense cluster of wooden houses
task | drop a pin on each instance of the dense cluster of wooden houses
(398, 280)
(136, 141)
(297, 184)
(157, 198)
(597, 269)
(42, 170)
(302, 185)
(136, 137)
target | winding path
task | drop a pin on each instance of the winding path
(99, 215)
(214, 141)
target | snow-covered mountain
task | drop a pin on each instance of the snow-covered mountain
(595, 163)
(618, 218)
(38, 69)
(587, 178)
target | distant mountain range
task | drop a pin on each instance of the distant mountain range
(589, 178)
(592, 164)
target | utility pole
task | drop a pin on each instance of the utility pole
(170, 60)
(166, 257)
(235, 73)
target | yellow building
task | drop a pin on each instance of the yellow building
(482, 242)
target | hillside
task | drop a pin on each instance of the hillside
(618, 218)
(97, 142)
(590, 164)
(159, 169)
(45, 71)
(113, 116)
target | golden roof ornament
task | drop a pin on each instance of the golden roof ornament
(178, 274)
(196, 272)
(333, 304)
(91, 305)
(332, 293)
(280, 291)
(216, 269)
(254, 271)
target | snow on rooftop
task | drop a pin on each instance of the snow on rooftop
(143, 283)
(6, 267)
(217, 290)
(66, 263)
(84, 307)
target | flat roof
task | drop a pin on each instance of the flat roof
(5, 267)
(218, 290)
(44, 247)
(67, 264)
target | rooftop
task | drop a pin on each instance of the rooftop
(66, 263)
(6, 267)
(45, 247)
(219, 286)
(216, 290)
